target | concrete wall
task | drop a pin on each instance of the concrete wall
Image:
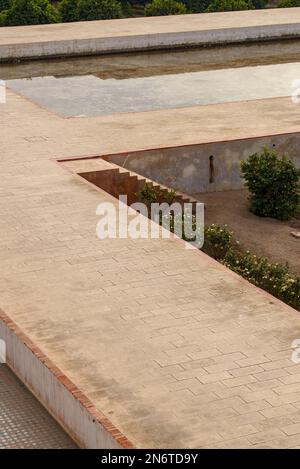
(205, 167)
(146, 42)
(59, 396)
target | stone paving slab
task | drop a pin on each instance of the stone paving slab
(175, 349)
(24, 423)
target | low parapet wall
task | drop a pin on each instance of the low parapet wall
(205, 167)
(138, 34)
(88, 427)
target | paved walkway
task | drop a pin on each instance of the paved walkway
(146, 33)
(176, 350)
(149, 26)
(24, 423)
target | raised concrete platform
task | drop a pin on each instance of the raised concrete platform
(174, 349)
(99, 37)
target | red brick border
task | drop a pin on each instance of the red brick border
(96, 414)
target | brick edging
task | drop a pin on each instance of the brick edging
(96, 414)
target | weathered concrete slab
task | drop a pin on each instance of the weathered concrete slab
(98, 37)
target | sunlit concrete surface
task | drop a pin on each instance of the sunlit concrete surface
(147, 33)
(24, 423)
(176, 350)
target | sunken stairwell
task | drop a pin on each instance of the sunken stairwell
(119, 181)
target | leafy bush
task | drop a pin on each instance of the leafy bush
(184, 225)
(169, 196)
(89, 10)
(273, 183)
(147, 194)
(5, 4)
(150, 194)
(274, 278)
(196, 6)
(229, 5)
(25, 12)
(127, 8)
(259, 3)
(217, 241)
(68, 10)
(288, 3)
(164, 7)
(135, 2)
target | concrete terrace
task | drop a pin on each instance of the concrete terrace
(147, 33)
(174, 349)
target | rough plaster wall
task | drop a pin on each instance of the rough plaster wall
(188, 168)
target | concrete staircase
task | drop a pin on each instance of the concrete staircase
(119, 181)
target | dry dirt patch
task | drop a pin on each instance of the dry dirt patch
(262, 236)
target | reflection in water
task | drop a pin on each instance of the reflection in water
(89, 95)
(146, 64)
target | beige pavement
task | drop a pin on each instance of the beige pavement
(154, 129)
(150, 26)
(93, 37)
(176, 350)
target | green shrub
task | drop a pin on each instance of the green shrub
(274, 278)
(147, 194)
(273, 183)
(183, 224)
(127, 8)
(164, 7)
(259, 3)
(217, 241)
(169, 196)
(68, 10)
(196, 6)
(229, 5)
(288, 3)
(5, 4)
(135, 2)
(89, 10)
(25, 12)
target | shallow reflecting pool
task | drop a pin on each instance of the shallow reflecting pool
(141, 82)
